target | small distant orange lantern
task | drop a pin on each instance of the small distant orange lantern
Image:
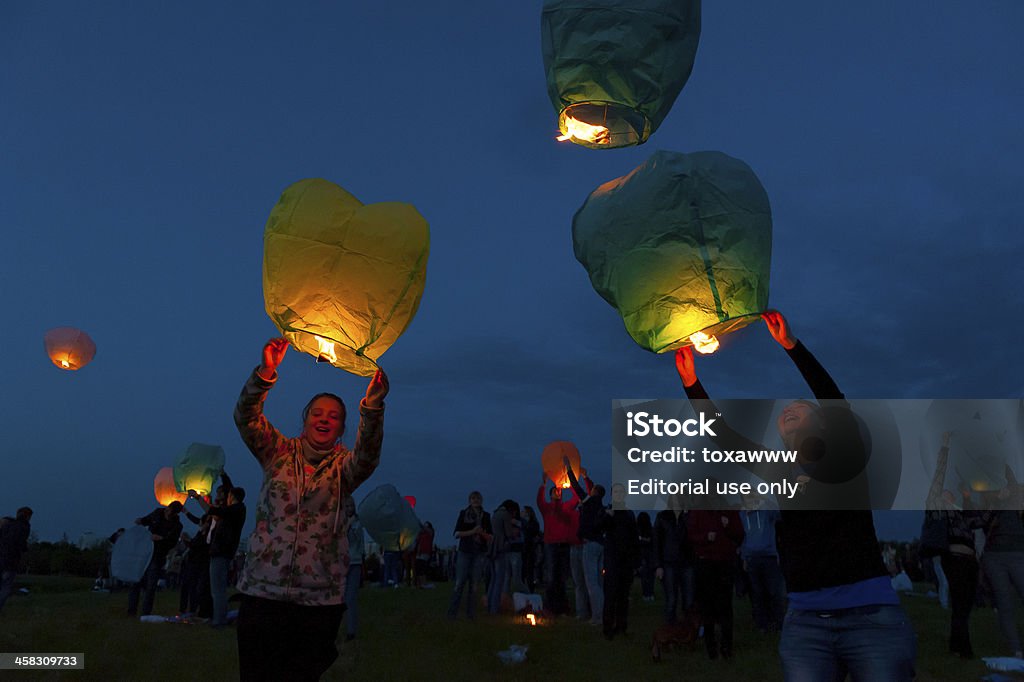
(164, 488)
(69, 348)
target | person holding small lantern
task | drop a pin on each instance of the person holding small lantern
(293, 581)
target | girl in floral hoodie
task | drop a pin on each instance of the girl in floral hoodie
(294, 577)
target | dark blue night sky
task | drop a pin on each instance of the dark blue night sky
(143, 148)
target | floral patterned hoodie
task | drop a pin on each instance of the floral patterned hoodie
(298, 552)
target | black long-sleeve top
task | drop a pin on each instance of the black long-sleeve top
(591, 511)
(825, 547)
(168, 529)
(671, 543)
(228, 531)
(621, 540)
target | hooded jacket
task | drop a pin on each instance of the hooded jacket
(298, 551)
(759, 529)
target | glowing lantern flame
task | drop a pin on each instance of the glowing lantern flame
(326, 350)
(567, 485)
(584, 131)
(65, 364)
(532, 619)
(704, 343)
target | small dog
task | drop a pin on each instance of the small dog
(686, 632)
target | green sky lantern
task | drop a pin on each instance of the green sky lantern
(681, 247)
(614, 67)
(342, 280)
(389, 519)
(198, 468)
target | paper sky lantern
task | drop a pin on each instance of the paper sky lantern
(342, 280)
(984, 440)
(165, 489)
(198, 468)
(411, 500)
(614, 68)
(69, 348)
(552, 459)
(131, 554)
(389, 519)
(681, 247)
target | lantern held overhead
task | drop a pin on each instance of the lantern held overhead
(389, 519)
(342, 280)
(552, 460)
(198, 468)
(681, 247)
(69, 348)
(165, 489)
(131, 554)
(614, 68)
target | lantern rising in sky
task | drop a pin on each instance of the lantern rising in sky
(342, 280)
(165, 489)
(69, 348)
(681, 247)
(615, 68)
(198, 468)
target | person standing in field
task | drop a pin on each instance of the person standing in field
(844, 616)
(293, 581)
(165, 528)
(473, 531)
(13, 543)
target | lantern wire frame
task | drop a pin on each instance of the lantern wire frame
(354, 359)
(717, 330)
(626, 126)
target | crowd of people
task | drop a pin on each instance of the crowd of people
(819, 579)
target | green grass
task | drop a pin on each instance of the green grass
(404, 635)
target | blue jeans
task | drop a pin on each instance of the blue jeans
(556, 569)
(940, 578)
(353, 581)
(515, 571)
(593, 561)
(148, 583)
(6, 586)
(1005, 571)
(466, 568)
(767, 592)
(499, 579)
(392, 569)
(219, 589)
(870, 643)
(679, 583)
(579, 581)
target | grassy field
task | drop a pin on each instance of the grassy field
(405, 636)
